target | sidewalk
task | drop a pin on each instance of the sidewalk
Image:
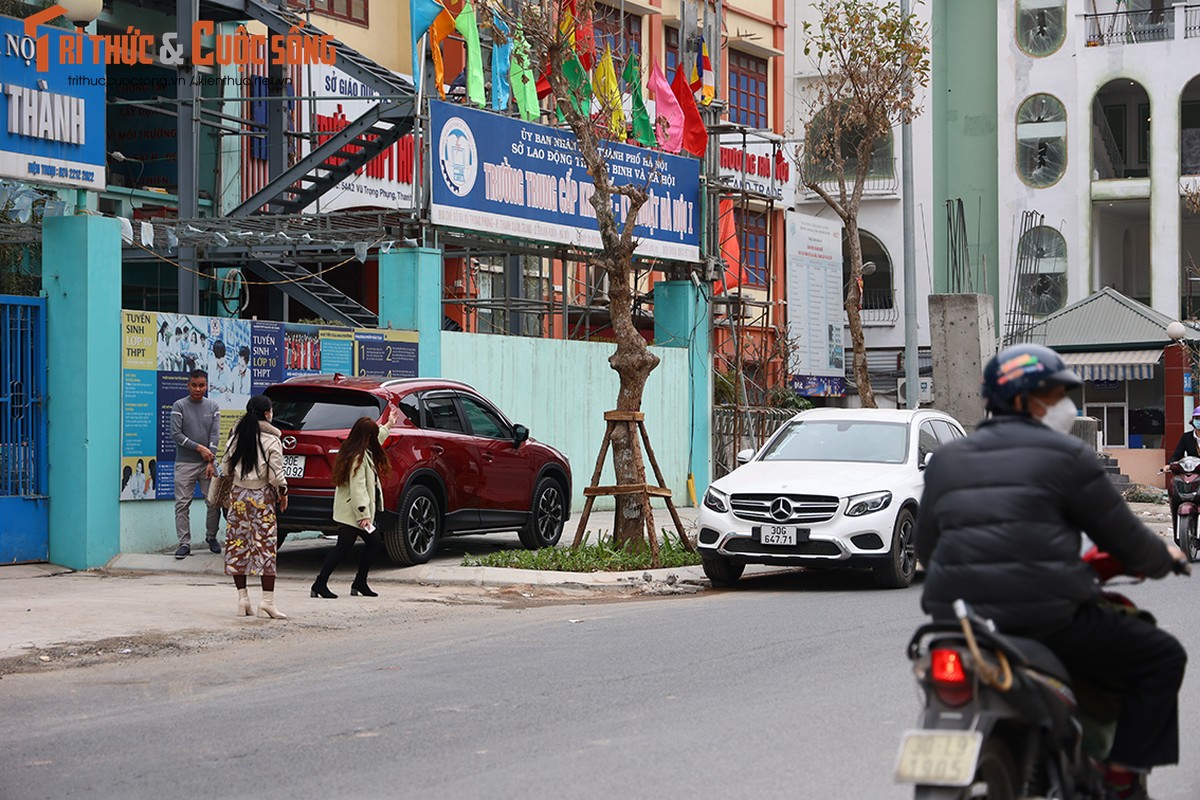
(159, 599)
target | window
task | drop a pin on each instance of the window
(946, 432)
(927, 441)
(820, 148)
(610, 32)
(1041, 26)
(1042, 271)
(747, 90)
(840, 440)
(442, 413)
(753, 227)
(1041, 140)
(410, 406)
(484, 421)
(672, 52)
(349, 10)
(300, 409)
(877, 290)
(1143, 121)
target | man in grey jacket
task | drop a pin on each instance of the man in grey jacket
(195, 426)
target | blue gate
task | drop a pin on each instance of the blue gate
(24, 506)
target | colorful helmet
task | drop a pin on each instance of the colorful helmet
(1023, 369)
(1196, 412)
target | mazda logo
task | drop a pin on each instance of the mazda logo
(781, 509)
(289, 442)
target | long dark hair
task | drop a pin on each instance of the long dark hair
(246, 448)
(363, 436)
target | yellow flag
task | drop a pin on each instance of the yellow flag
(609, 91)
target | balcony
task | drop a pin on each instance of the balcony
(879, 182)
(1116, 28)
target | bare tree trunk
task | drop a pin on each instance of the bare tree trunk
(854, 315)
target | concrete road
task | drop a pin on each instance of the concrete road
(792, 686)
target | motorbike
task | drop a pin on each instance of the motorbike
(1002, 719)
(1184, 486)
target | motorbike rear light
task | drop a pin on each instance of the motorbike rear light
(950, 681)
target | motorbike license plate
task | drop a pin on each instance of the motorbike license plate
(778, 534)
(938, 758)
(293, 466)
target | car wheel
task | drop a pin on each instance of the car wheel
(414, 537)
(901, 565)
(548, 514)
(722, 571)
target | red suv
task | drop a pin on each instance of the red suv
(458, 465)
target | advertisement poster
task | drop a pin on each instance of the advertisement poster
(505, 176)
(815, 313)
(242, 358)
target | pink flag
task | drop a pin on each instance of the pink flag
(667, 107)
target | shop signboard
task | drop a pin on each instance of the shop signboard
(241, 357)
(758, 166)
(500, 175)
(52, 121)
(815, 314)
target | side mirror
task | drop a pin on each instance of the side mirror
(925, 460)
(520, 434)
(744, 456)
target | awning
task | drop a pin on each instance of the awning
(1114, 365)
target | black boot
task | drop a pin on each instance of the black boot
(319, 589)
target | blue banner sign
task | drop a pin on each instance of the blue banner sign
(52, 122)
(500, 175)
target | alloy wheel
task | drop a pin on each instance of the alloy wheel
(549, 513)
(422, 525)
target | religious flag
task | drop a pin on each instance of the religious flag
(501, 63)
(667, 108)
(695, 135)
(469, 28)
(643, 128)
(609, 92)
(708, 89)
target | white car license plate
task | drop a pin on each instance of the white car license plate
(293, 466)
(938, 758)
(778, 534)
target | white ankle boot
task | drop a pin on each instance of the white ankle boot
(243, 603)
(266, 607)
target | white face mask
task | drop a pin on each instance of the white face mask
(1060, 416)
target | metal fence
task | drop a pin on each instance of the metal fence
(736, 429)
(1130, 27)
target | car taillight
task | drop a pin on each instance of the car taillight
(950, 681)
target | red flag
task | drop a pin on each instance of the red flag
(695, 136)
(730, 251)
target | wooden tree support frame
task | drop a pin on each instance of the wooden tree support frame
(629, 419)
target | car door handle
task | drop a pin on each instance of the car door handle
(488, 457)
(437, 449)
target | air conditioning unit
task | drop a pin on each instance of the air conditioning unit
(926, 390)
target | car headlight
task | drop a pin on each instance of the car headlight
(861, 504)
(716, 500)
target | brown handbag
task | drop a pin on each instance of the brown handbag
(220, 491)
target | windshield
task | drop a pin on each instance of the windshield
(840, 440)
(299, 409)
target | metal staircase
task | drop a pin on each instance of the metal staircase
(304, 286)
(349, 149)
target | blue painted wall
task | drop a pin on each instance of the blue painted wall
(561, 389)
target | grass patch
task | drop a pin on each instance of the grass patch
(599, 557)
(1140, 493)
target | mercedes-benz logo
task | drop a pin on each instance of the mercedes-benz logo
(781, 509)
(289, 442)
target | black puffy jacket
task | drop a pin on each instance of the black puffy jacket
(1000, 525)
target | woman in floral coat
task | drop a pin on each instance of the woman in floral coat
(254, 458)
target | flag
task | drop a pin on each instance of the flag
(421, 14)
(520, 74)
(695, 136)
(469, 28)
(585, 41)
(727, 242)
(667, 108)
(708, 89)
(643, 128)
(609, 93)
(501, 64)
(581, 87)
(443, 24)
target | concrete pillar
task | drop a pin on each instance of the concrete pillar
(410, 299)
(963, 338)
(682, 319)
(1177, 393)
(81, 276)
(1165, 261)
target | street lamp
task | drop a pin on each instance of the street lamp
(81, 12)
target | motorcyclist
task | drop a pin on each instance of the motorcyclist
(1189, 445)
(1000, 527)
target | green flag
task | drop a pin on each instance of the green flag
(581, 85)
(524, 85)
(643, 128)
(466, 25)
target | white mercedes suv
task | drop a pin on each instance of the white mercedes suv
(831, 488)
